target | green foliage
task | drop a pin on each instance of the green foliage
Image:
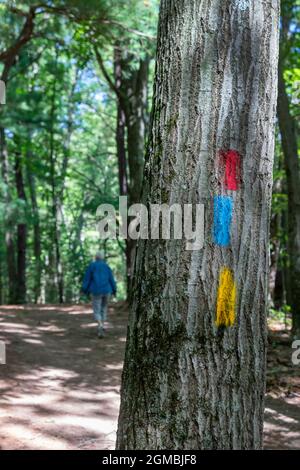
(282, 315)
(61, 117)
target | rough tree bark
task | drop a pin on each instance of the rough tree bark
(186, 383)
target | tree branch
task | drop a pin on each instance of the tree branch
(8, 57)
(129, 30)
(106, 74)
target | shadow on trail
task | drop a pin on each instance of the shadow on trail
(60, 386)
(282, 424)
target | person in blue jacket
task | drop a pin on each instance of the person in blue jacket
(100, 283)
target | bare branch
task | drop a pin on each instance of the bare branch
(129, 30)
(105, 73)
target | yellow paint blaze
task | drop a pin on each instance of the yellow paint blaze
(226, 299)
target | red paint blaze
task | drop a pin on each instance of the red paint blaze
(232, 162)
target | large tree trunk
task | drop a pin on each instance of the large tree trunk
(188, 383)
(290, 150)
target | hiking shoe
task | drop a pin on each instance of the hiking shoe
(100, 332)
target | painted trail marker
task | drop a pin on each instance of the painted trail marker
(223, 206)
(229, 170)
(226, 299)
(231, 162)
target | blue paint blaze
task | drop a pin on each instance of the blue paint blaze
(223, 206)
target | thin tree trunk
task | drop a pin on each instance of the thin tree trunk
(36, 231)
(121, 125)
(9, 232)
(286, 272)
(190, 381)
(56, 256)
(274, 257)
(121, 148)
(290, 150)
(21, 236)
(275, 295)
(136, 119)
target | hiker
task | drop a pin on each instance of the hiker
(100, 283)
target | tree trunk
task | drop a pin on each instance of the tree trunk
(274, 256)
(37, 250)
(21, 236)
(121, 124)
(121, 149)
(136, 120)
(9, 232)
(275, 293)
(290, 150)
(190, 381)
(131, 86)
(55, 257)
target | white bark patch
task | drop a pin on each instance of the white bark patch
(242, 4)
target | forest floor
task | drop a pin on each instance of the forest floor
(60, 386)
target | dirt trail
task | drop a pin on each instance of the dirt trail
(60, 387)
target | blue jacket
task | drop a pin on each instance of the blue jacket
(99, 279)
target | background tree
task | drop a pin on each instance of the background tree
(288, 67)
